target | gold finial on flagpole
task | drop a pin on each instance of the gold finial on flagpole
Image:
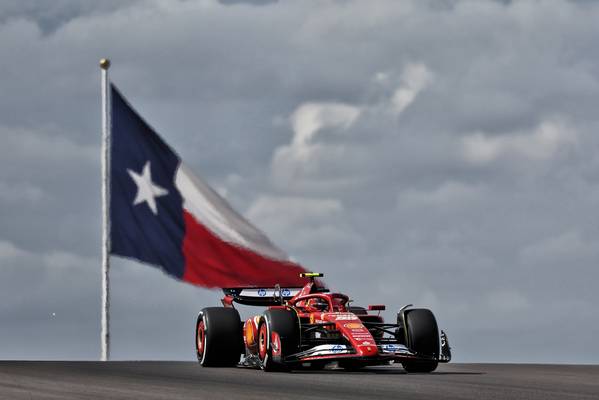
(105, 63)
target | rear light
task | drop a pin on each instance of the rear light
(376, 307)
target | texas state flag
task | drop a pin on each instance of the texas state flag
(164, 215)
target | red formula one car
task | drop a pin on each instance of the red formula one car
(310, 327)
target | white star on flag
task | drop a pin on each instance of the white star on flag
(147, 191)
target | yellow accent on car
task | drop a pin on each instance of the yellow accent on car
(311, 275)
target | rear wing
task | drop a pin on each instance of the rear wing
(260, 296)
(253, 296)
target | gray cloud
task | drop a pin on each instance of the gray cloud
(442, 154)
(250, 2)
(50, 16)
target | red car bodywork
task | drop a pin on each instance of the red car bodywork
(330, 330)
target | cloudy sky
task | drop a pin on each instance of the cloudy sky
(441, 153)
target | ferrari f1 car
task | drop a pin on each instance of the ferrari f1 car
(311, 327)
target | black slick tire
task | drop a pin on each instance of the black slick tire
(285, 323)
(422, 336)
(219, 337)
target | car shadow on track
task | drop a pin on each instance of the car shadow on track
(382, 371)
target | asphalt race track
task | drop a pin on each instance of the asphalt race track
(187, 380)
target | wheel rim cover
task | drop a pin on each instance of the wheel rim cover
(263, 342)
(200, 338)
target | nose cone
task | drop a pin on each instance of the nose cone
(359, 336)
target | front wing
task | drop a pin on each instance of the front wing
(386, 352)
(342, 352)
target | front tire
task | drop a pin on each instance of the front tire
(422, 336)
(219, 337)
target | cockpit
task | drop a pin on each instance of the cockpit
(335, 302)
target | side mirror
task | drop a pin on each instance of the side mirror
(376, 307)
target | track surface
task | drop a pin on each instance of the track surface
(186, 380)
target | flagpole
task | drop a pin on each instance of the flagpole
(105, 332)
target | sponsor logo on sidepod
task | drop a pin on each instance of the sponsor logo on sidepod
(261, 292)
(337, 348)
(391, 348)
(286, 292)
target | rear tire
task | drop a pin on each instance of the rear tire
(422, 336)
(219, 337)
(285, 323)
